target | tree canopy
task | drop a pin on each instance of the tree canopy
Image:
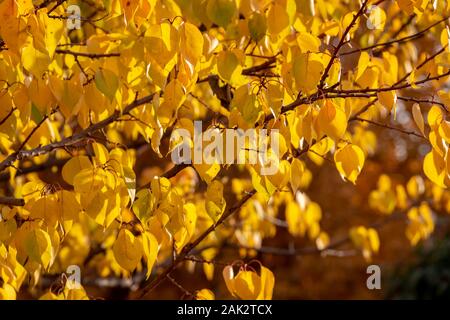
(92, 97)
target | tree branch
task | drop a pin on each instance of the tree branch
(396, 41)
(25, 154)
(148, 286)
(88, 55)
(10, 201)
(390, 127)
(341, 43)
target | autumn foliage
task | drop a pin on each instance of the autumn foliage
(355, 92)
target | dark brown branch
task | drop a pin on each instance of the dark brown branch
(22, 146)
(396, 41)
(34, 168)
(88, 55)
(249, 71)
(172, 172)
(44, 4)
(423, 63)
(390, 127)
(394, 87)
(7, 116)
(179, 286)
(58, 3)
(418, 100)
(203, 261)
(266, 65)
(10, 201)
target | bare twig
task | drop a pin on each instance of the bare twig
(341, 43)
(396, 41)
(10, 201)
(413, 133)
(88, 55)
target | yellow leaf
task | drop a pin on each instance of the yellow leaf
(297, 169)
(332, 120)
(129, 8)
(174, 96)
(228, 275)
(13, 29)
(67, 93)
(365, 239)
(143, 205)
(388, 99)
(345, 23)
(215, 203)
(53, 30)
(308, 42)
(207, 171)
(38, 247)
(376, 19)
(247, 104)
(363, 62)
(221, 12)
(418, 118)
(34, 61)
(75, 294)
(257, 26)
(248, 285)
(307, 69)
(101, 153)
(51, 296)
(435, 116)
(160, 187)
(282, 175)
(7, 292)
(437, 142)
(277, 19)
(47, 209)
(88, 181)
(107, 82)
(103, 207)
(73, 166)
(267, 284)
(128, 250)
(349, 161)
(229, 68)
(383, 199)
(41, 96)
(369, 78)
(444, 130)
(420, 223)
(191, 43)
(322, 241)
(406, 5)
(204, 294)
(130, 182)
(434, 167)
(150, 249)
(415, 186)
